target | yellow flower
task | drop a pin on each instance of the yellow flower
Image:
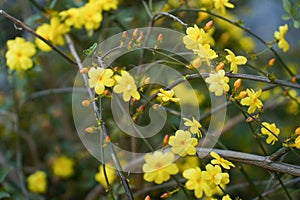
(106, 4)
(63, 167)
(92, 16)
(279, 36)
(72, 17)
(205, 52)
(37, 182)
(196, 35)
(218, 82)
(159, 166)
(214, 175)
(235, 61)
(110, 172)
(252, 100)
(182, 143)
(297, 143)
(188, 162)
(167, 95)
(196, 182)
(221, 4)
(52, 32)
(18, 56)
(226, 197)
(218, 160)
(126, 85)
(271, 131)
(194, 126)
(99, 78)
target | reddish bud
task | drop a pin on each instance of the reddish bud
(166, 140)
(271, 62)
(294, 79)
(209, 25)
(242, 94)
(220, 66)
(124, 35)
(141, 108)
(86, 102)
(237, 83)
(159, 37)
(90, 129)
(106, 92)
(116, 68)
(165, 195)
(107, 139)
(147, 197)
(84, 70)
(297, 131)
(135, 33)
(147, 81)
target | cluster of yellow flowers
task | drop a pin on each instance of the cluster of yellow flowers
(160, 166)
(62, 167)
(20, 52)
(124, 83)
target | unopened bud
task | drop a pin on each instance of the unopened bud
(106, 92)
(147, 81)
(285, 92)
(209, 25)
(116, 68)
(90, 129)
(249, 119)
(147, 197)
(139, 40)
(86, 102)
(124, 35)
(242, 94)
(84, 70)
(135, 33)
(159, 38)
(141, 108)
(220, 66)
(297, 131)
(166, 140)
(165, 195)
(155, 106)
(197, 62)
(271, 62)
(107, 139)
(237, 83)
(294, 79)
(129, 45)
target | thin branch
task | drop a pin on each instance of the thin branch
(98, 117)
(27, 28)
(171, 16)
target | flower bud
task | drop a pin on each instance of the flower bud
(197, 62)
(106, 92)
(271, 62)
(165, 195)
(237, 83)
(294, 79)
(107, 139)
(90, 129)
(84, 70)
(242, 94)
(220, 66)
(147, 81)
(124, 35)
(297, 131)
(86, 102)
(159, 38)
(209, 25)
(166, 140)
(141, 108)
(147, 197)
(135, 33)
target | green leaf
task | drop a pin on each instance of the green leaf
(3, 174)
(52, 4)
(285, 16)
(286, 4)
(4, 195)
(294, 10)
(89, 51)
(296, 24)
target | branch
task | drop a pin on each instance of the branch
(27, 28)
(256, 160)
(99, 118)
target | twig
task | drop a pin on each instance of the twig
(99, 118)
(27, 28)
(171, 16)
